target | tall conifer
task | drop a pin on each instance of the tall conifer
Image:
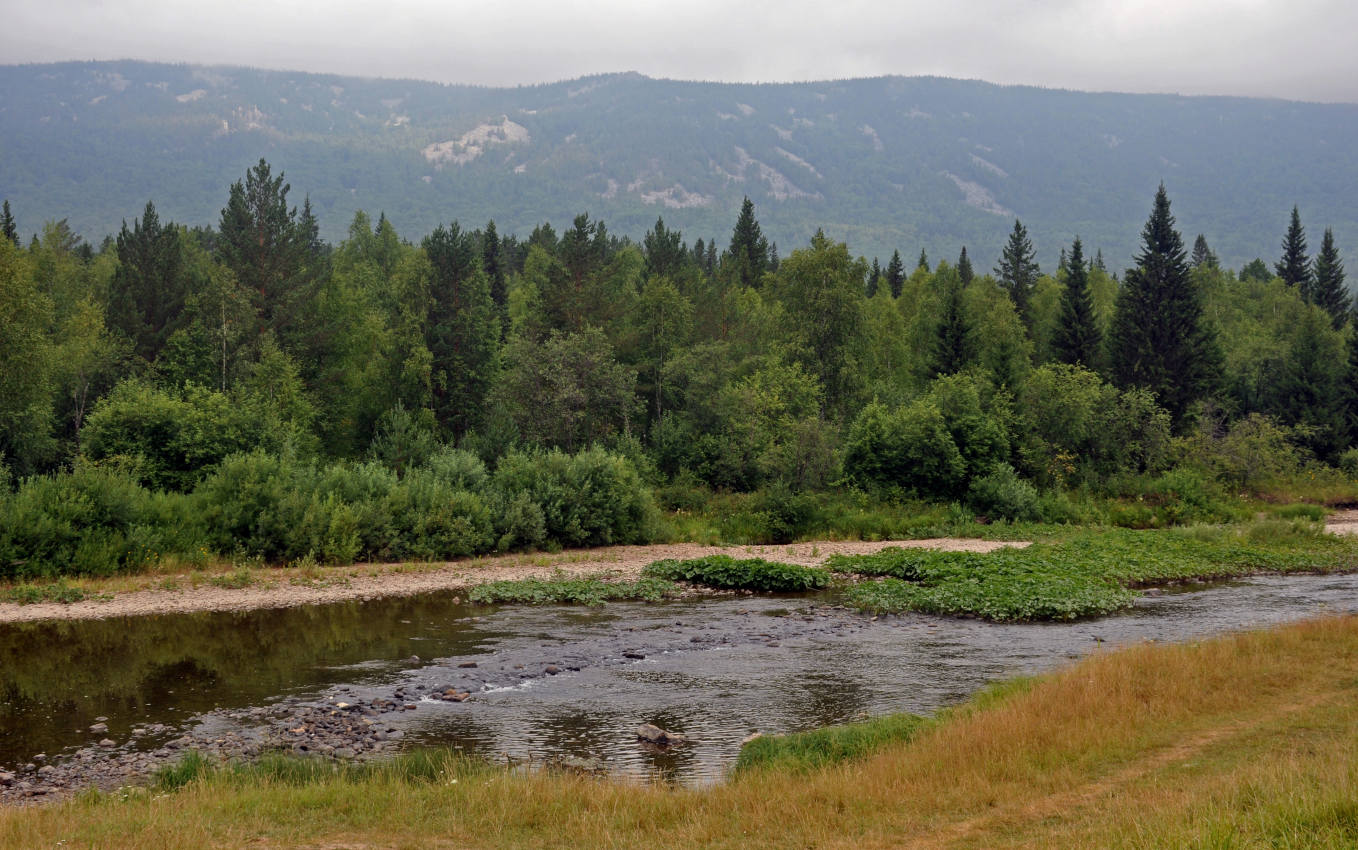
(1294, 267)
(8, 228)
(1327, 285)
(895, 274)
(1018, 270)
(749, 250)
(964, 270)
(1160, 338)
(1077, 339)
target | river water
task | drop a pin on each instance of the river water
(565, 681)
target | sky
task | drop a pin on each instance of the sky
(1297, 49)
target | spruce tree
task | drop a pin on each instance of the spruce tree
(952, 345)
(1062, 260)
(1160, 338)
(749, 250)
(1098, 262)
(1255, 270)
(1202, 254)
(262, 241)
(1294, 267)
(1077, 339)
(895, 274)
(874, 277)
(964, 270)
(1018, 270)
(923, 262)
(7, 226)
(494, 266)
(1327, 285)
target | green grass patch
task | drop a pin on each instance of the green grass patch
(805, 751)
(32, 594)
(238, 579)
(727, 573)
(563, 589)
(1089, 574)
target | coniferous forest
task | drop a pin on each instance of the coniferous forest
(251, 390)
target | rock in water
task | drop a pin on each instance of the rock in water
(652, 734)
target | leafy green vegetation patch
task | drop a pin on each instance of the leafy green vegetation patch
(1087, 575)
(727, 573)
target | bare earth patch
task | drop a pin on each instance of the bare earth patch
(1342, 522)
(286, 587)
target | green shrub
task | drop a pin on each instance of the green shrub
(1348, 462)
(1003, 495)
(725, 572)
(89, 521)
(591, 498)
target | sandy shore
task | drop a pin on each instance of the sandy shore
(285, 587)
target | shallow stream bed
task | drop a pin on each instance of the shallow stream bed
(106, 701)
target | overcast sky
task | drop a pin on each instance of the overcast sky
(1301, 49)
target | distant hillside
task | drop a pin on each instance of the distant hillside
(887, 163)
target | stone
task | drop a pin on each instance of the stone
(467, 664)
(552, 670)
(414, 659)
(652, 734)
(107, 743)
(633, 654)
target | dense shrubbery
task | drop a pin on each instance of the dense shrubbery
(100, 520)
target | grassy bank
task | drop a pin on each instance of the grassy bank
(1243, 741)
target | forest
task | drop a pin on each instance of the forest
(252, 391)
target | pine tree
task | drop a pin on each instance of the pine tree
(874, 277)
(1018, 270)
(149, 287)
(895, 274)
(1077, 339)
(923, 262)
(1202, 254)
(1327, 285)
(664, 250)
(964, 270)
(1255, 270)
(261, 241)
(8, 228)
(1160, 338)
(749, 250)
(1294, 267)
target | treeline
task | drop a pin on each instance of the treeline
(186, 361)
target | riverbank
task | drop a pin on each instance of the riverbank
(244, 588)
(1252, 736)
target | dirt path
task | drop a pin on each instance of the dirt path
(285, 587)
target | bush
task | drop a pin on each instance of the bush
(591, 498)
(727, 573)
(90, 521)
(1003, 495)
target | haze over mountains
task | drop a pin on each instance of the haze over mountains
(885, 163)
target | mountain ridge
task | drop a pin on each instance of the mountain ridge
(884, 163)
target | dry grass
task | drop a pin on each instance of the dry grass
(1244, 741)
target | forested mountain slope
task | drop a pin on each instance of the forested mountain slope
(908, 163)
